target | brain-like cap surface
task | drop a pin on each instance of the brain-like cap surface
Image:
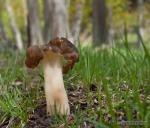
(33, 56)
(57, 45)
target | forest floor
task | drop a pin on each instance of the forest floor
(106, 88)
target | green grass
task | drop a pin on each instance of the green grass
(120, 74)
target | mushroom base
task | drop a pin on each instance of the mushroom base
(56, 97)
(57, 103)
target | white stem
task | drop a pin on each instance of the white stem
(56, 97)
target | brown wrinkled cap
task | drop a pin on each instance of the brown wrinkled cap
(33, 56)
(58, 45)
(67, 49)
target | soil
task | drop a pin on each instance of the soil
(77, 98)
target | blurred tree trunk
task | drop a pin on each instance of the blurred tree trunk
(14, 26)
(111, 30)
(56, 19)
(48, 19)
(3, 36)
(33, 23)
(140, 20)
(99, 22)
(77, 21)
(140, 12)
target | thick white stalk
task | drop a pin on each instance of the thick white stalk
(56, 97)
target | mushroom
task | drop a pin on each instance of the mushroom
(58, 57)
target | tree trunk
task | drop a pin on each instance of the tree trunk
(111, 31)
(140, 20)
(3, 36)
(56, 19)
(140, 12)
(33, 23)
(77, 22)
(14, 26)
(99, 22)
(48, 19)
